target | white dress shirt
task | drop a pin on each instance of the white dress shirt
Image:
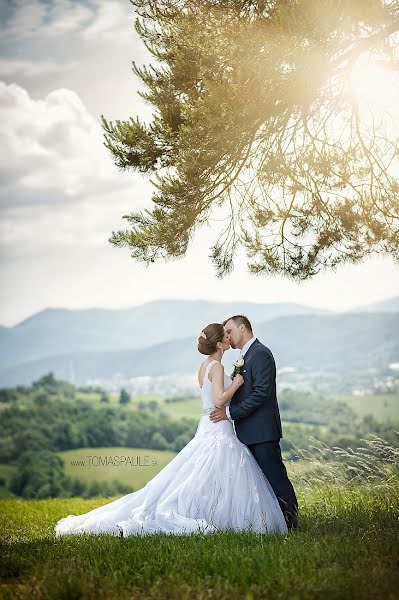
(243, 352)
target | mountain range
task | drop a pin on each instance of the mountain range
(55, 331)
(320, 342)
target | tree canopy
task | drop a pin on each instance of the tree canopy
(257, 127)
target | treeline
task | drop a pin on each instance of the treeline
(41, 475)
(41, 390)
(49, 387)
(48, 416)
(297, 406)
(59, 425)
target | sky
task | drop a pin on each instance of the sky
(62, 64)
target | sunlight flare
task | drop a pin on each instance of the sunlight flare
(375, 82)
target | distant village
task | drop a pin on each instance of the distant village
(363, 383)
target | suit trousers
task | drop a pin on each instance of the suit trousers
(268, 456)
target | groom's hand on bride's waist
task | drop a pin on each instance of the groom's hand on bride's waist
(218, 414)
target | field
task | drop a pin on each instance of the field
(381, 407)
(137, 466)
(77, 465)
(139, 474)
(189, 407)
(132, 466)
(346, 547)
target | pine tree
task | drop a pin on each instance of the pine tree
(124, 397)
(255, 123)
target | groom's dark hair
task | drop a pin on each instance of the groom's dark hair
(238, 320)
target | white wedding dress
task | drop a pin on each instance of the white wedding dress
(214, 483)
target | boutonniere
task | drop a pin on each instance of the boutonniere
(238, 365)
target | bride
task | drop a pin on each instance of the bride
(214, 483)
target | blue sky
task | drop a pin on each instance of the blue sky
(62, 65)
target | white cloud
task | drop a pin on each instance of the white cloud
(60, 190)
(52, 149)
(39, 232)
(30, 68)
(110, 23)
(84, 46)
(105, 18)
(25, 19)
(62, 196)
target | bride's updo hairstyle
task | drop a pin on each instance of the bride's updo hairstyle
(209, 337)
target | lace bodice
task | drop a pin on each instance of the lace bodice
(206, 390)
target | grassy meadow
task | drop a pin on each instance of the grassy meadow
(135, 476)
(186, 408)
(346, 547)
(381, 406)
(144, 465)
(132, 466)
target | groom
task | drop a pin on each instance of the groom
(255, 412)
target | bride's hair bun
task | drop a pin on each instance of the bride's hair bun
(209, 337)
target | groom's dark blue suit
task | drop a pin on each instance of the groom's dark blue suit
(254, 410)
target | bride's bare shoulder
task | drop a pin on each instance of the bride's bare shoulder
(217, 369)
(201, 371)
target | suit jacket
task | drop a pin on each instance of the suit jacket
(254, 408)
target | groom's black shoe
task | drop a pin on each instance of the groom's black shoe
(290, 514)
(291, 518)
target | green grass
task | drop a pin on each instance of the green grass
(381, 407)
(190, 408)
(88, 396)
(136, 474)
(134, 400)
(346, 547)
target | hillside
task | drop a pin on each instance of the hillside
(324, 344)
(56, 331)
(390, 305)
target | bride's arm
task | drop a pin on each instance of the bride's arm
(219, 396)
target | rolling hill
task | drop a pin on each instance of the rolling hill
(54, 331)
(339, 343)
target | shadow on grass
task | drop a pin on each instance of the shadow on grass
(344, 547)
